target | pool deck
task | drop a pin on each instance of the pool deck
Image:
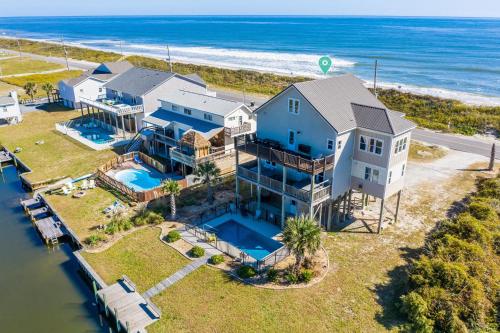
(259, 226)
(132, 165)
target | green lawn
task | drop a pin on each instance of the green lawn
(40, 79)
(59, 156)
(22, 65)
(141, 256)
(83, 214)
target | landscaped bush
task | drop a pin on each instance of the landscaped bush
(246, 272)
(454, 286)
(217, 259)
(272, 275)
(306, 275)
(147, 217)
(197, 252)
(95, 239)
(292, 278)
(173, 236)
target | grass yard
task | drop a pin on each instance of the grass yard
(141, 256)
(420, 152)
(59, 156)
(22, 65)
(40, 79)
(6, 88)
(83, 215)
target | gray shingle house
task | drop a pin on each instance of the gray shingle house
(318, 141)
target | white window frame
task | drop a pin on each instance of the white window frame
(293, 106)
(207, 116)
(401, 145)
(339, 145)
(188, 112)
(372, 173)
(403, 170)
(368, 145)
(390, 177)
(175, 107)
(330, 144)
(362, 137)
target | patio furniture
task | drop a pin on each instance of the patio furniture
(137, 159)
(70, 186)
(91, 183)
(65, 190)
(79, 194)
(85, 185)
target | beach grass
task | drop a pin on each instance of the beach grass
(83, 215)
(59, 155)
(421, 152)
(141, 256)
(20, 65)
(40, 79)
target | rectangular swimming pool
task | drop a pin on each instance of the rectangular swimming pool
(252, 243)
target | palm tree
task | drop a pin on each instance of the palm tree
(172, 188)
(208, 173)
(48, 87)
(31, 89)
(301, 235)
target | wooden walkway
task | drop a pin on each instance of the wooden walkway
(132, 311)
(50, 229)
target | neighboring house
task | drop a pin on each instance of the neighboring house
(9, 109)
(193, 127)
(135, 94)
(317, 142)
(89, 85)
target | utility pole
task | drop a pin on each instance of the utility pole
(65, 53)
(492, 158)
(169, 59)
(244, 96)
(121, 49)
(375, 79)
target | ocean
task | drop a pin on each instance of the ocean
(446, 57)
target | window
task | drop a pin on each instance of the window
(231, 118)
(293, 105)
(134, 100)
(390, 177)
(4, 109)
(175, 107)
(375, 175)
(362, 143)
(329, 144)
(400, 145)
(374, 145)
(291, 137)
(368, 173)
(81, 90)
(403, 170)
(187, 111)
(100, 89)
(207, 116)
(339, 145)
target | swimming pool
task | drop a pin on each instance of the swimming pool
(96, 135)
(252, 243)
(139, 179)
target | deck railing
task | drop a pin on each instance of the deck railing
(238, 130)
(284, 157)
(321, 191)
(191, 161)
(119, 110)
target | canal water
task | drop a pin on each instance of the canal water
(40, 288)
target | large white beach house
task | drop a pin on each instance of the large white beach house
(317, 142)
(9, 109)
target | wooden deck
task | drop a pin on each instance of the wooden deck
(133, 310)
(5, 157)
(30, 203)
(50, 229)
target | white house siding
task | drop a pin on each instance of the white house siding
(88, 89)
(274, 121)
(369, 187)
(197, 114)
(401, 157)
(245, 116)
(367, 157)
(11, 112)
(343, 163)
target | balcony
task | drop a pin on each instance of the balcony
(290, 159)
(113, 106)
(217, 154)
(232, 132)
(298, 190)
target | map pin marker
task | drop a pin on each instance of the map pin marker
(325, 63)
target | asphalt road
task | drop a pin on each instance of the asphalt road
(460, 143)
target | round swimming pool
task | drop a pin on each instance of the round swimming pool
(139, 180)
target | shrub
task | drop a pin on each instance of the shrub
(292, 278)
(489, 188)
(482, 209)
(95, 239)
(154, 218)
(173, 236)
(246, 272)
(197, 252)
(272, 275)
(217, 259)
(306, 275)
(111, 228)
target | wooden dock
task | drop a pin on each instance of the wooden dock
(49, 229)
(131, 311)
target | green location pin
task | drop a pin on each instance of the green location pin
(325, 63)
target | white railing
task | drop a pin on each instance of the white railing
(182, 158)
(119, 110)
(238, 130)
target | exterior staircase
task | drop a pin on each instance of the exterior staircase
(136, 142)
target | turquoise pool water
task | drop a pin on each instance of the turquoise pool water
(96, 135)
(139, 179)
(252, 243)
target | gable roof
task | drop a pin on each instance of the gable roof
(117, 67)
(202, 102)
(195, 77)
(138, 81)
(7, 100)
(345, 103)
(104, 72)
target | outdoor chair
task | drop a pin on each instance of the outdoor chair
(85, 184)
(91, 184)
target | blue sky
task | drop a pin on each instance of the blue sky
(469, 8)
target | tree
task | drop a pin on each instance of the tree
(30, 89)
(172, 188)
(48, 87)
(301, 235)
(208, 173)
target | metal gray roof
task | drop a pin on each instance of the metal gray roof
(117, 67)
(7, 100)
(346, 103)
(195, 77)
(138, 81)
(202, 102)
